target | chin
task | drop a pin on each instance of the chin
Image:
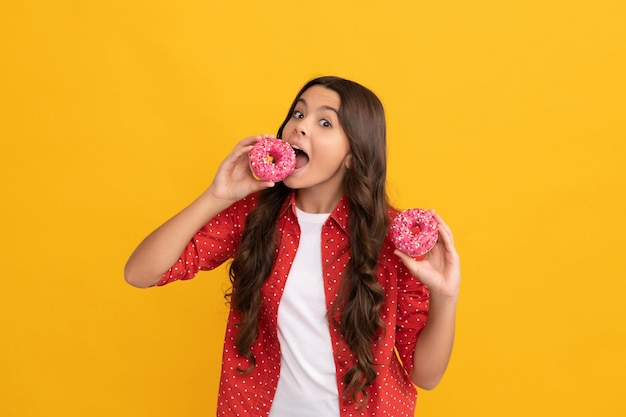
(292, 180)
(290, 183)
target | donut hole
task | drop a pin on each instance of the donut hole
(415, 230)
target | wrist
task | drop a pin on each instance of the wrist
(213, 197)
(444, 300)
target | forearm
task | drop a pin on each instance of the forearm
(162, 248)
(434, 345)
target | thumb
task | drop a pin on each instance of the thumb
(260, 185)
(413, 264)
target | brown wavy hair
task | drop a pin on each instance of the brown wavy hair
(361, 297)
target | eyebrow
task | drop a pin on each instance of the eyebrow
(303, 101)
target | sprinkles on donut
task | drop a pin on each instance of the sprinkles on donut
(414, 232)
(272, 159)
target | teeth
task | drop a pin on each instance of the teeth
(299, 151)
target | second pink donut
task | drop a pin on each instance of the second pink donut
(414, 232)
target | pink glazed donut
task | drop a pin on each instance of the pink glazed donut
(414, 232)
(272, 159)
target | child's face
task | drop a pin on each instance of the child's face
(322, 148)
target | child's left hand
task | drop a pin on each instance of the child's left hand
(440, 271)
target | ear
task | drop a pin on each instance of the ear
(347, 161)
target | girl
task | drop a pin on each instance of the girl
(326, 318)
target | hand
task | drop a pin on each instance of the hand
(440, 271)
(234, 180)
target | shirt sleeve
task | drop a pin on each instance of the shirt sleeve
(212, 245)
(413, 304)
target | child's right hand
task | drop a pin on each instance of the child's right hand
(234, 180)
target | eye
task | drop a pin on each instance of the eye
(325, 123)
(297, 114)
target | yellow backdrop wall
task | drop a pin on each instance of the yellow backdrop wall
(507, 117)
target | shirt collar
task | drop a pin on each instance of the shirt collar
(340, 215)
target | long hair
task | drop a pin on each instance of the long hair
(361, 297)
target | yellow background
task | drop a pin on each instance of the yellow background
(507, 117)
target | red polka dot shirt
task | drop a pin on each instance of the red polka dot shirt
(404, 313)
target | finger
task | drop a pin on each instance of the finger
(237, 153)
(403, 256)
(243, 147)
(409, 261)
(444, 229)
(419, 269)
(250, 140)
(445, 242)
(261, 185)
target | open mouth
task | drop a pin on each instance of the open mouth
(301, 157)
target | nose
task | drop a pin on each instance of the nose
(301, 127)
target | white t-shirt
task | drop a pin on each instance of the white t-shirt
(307, 386)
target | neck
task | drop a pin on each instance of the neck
(312, 202)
